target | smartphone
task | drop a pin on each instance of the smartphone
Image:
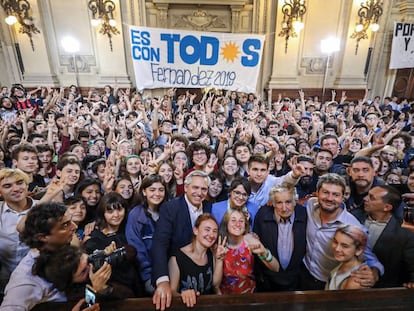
(90, 296)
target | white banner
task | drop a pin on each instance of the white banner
(402, 52)
(193, 59)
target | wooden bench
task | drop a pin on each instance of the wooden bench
(369, 299)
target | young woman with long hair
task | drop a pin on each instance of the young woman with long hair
(141, 222)
(111, 218)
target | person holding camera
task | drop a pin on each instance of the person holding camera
(46, 228)
(70, 265)
(111, 220)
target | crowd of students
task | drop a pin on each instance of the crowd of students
(186, 195)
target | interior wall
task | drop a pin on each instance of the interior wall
(302, 66)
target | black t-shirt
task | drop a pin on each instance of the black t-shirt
(38, 181)
(193, 276)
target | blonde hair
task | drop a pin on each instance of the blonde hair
(14, 172)
(389, 148)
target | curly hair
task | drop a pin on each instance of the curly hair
(58, 267)
(196, 146)
(40, 221)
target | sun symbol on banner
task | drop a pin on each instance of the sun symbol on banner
(230, 51)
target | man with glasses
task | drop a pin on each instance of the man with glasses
(371, 121)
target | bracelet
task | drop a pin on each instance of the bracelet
(268, 257)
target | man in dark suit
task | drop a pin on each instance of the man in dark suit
(393, 245)
(282, 229)
(174, 230)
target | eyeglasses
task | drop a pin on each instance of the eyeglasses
(393, 180)
(240, 194)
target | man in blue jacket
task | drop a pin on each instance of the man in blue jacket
(174, 230)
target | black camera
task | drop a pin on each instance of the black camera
(98, 258)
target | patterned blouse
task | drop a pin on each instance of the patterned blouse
(238, 275)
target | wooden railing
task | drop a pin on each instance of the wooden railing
(369, 299)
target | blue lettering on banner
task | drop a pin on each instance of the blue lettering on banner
(213, 43)
(145, 53)
(186, 77)
(140, 46)
(192, 50)
(252, 58)
(170, 45)
(164, 57)
(194, 56)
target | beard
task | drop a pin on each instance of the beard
(330, 209)
(362, 183)
(305, 181)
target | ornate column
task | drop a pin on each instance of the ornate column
(162, 15)
(235, 18)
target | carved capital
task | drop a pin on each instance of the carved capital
(83, 63)
(315, 65)
(199, 20)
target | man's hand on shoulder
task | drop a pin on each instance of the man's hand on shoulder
(366, 276)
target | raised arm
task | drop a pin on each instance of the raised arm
(154, 122)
